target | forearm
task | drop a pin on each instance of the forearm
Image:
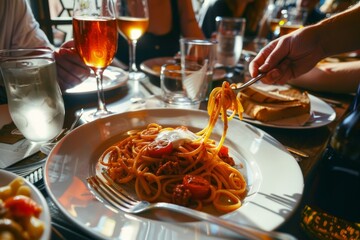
(331, 77)
(294, 54)
(337, 34)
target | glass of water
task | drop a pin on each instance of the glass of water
(230, 34)
(198, 52)
(183, 86)
(34, 97)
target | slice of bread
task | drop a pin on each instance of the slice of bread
(267, 106)
(263, 96)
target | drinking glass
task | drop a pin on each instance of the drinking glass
(95, 37)
(294, 19)
(183, 85)
(230, 34)
(198, 52)
(34, 97)
(132, 18)
(275, 18)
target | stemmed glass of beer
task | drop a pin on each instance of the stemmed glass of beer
(95, 37)
(132, 18)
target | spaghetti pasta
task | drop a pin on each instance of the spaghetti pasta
(179, 166)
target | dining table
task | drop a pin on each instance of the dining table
(312, 141)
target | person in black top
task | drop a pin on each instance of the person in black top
(252, 10)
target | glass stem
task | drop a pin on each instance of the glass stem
(132, 56)
(137, 96)
(101, 98)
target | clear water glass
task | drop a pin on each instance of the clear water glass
(34, 97)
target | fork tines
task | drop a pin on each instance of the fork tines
(111, 192)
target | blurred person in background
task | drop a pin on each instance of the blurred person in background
(19, 29)
(336, 6)
(169, 20)
(251, 10)
(287, 58)
(311, 7)
(314, 14)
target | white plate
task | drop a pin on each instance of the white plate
(321, 114)
(273, 193)
(113, 77)
(6, 177)
(152, 67)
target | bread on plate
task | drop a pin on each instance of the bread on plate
(273, 105)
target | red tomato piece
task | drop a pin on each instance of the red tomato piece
(22, 206)
(224, 151)
(198, 186)
(159, 148)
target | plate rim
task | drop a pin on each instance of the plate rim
(272, 143)
(144, 66)
(119, 83)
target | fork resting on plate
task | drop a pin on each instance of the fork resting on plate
(120, 199)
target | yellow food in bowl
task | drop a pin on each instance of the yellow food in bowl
(19, 213)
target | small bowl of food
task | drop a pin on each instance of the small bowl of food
(24, 213)
(152, 68)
